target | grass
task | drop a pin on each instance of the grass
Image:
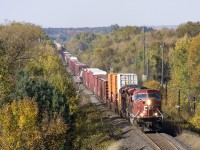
(92, 130)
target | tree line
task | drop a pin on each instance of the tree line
(64, 34)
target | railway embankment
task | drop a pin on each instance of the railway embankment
(118, 133)
(122, 134)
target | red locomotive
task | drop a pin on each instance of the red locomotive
(142, 106)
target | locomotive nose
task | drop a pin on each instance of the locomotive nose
(148, 102)
(150, 107)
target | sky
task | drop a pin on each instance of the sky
(98, 13)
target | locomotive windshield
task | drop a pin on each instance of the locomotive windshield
(149, 95)
(140, 96)
(154, 96)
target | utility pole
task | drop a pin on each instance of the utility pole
(166, 90)
(162, 74)
(144, 48)
(147, 67)
(194, 104)
(136, 62)
(179, 103)
(144, 76)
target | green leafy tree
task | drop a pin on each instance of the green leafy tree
(30, 69)
(125, 33)
(5, 80)
(48, 97)
(194, 65)
(190, 28)
(20, 42)
(194, 72)
(180, 74)
(49, 67)
(114, 27)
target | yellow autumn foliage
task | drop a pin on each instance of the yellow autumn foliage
(194, 63)
(195, 120)
(18, 124)
(153, 84)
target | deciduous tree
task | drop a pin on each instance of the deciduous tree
(18, 123)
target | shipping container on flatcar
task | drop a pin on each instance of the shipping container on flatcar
(112, 88)
(115, 82)
(111, 79)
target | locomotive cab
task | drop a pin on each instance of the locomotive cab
(147, 108)
(125, 99)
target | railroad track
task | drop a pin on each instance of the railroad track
(160, 142)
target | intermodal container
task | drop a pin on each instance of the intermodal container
(116, 81)
(126, 79)
(111, 85)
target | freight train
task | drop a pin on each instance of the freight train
(121, 93)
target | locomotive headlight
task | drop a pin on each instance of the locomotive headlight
(148, 102)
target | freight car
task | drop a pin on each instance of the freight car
(78, 67)
(115, 82)
(121, 93)
(71, 63)
(102, 89)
